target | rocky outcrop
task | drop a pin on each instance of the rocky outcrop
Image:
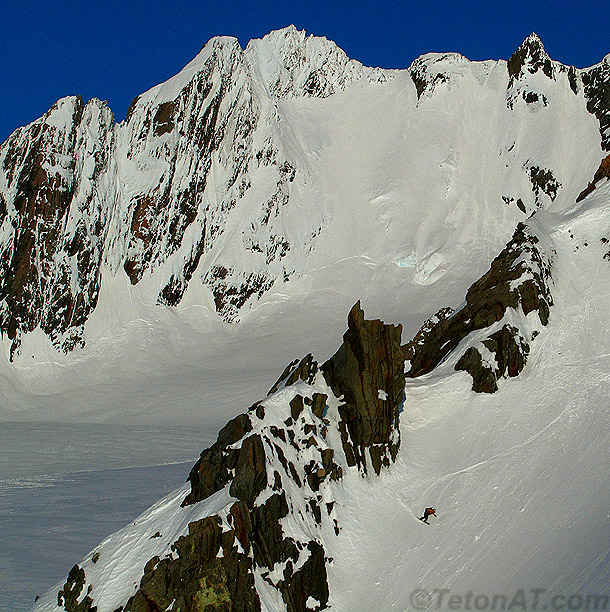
(425, 74)
(209, 572)
(214, 468)
(602, 172)
(368, 372)
(519, 280)
(305, 370)
(530, 57)
(216, 563)
(279, 469)
(424, 331)
(596, 88)
(543, 180)
(69, 597)
(508, 354)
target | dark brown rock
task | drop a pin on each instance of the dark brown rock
(267, 536)
(510, 352)
(309, 581)
(369, 360)
(488, 298)
(296, 407)
(163, 119)
(543, 181)
(602, 172)
(241, 523)
(318, 406)
(68, 596)
(304, 370)
(420, 338)
(212, 471)
(251, 471)
(197, 579)
(483, 377)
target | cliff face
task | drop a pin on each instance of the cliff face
(368, 372)
(208, 175)
(56, 195)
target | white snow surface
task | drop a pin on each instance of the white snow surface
(406, 195)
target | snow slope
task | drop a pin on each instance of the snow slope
(517, 477)
(396, 200)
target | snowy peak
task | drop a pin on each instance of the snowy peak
(221, 52)
(212, 184)
(530, 57)
(168, 145)
(289, 63)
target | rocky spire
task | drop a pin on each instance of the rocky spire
(532, 57)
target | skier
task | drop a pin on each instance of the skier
(427, 513)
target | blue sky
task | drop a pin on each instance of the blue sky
(116, 49)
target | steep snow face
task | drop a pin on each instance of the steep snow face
(515, 477)
(235, 193)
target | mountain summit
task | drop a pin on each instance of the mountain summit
(202, 177)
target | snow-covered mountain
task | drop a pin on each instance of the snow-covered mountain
(174, 261)
(194, 182)
(220, 178)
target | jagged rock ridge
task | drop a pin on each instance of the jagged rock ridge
(279, 461)
(518, 280)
